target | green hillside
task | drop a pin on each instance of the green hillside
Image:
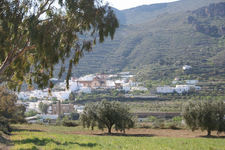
(155, 41)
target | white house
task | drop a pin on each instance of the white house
(110, 84)
(165, 89)
(61, 95)
(85, 90)
(192, 82)
(182, 88)
(186, 88)
(126, 87)
(89, 77)
(139, 88)
(186, 67)
(79, 109)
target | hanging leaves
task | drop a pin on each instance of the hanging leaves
(36, 35)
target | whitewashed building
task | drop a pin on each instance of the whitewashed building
(186, 67)
(139, 88)
(186, 88)
(165, 89)
(192, 82)
(182, 88)
(79, 109)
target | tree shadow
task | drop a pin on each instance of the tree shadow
(127, 135)
(45, 141)
(5, 141)
(90, 145)
(212, 137)
(32, 148)
(26, 130)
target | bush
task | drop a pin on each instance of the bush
(69, 123)
(31, 113)
(74, 116)
(158, 124)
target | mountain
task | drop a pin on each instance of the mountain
(155, 41)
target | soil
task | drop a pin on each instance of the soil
(154, 133)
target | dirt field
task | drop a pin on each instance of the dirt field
(153, 132)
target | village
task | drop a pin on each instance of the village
(123, 81)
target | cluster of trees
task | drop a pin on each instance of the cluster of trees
(205, 115)
(99, 95)
(106, 114)
(10, 112)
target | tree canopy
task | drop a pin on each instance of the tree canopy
(10, 112)
(205, 115)
(38, 34)
(107, 114)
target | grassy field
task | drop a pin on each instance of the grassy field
(33, 137)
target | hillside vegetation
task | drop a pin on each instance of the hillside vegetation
(155, 41)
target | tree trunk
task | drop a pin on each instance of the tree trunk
(109, 129)
(209, 132)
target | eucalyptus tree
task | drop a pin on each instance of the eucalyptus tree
(35, 35)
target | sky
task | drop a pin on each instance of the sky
(125, 4)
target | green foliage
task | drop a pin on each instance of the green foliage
(31, 113)
(177, 119)
(107, 114)
(35, 36)
(99, 95)
(74, 116)
(206, 115)
(72, 96)
(155, 106)
(43, 107)
(9, 111)
(68, 122)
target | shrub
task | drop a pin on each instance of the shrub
(69, 123)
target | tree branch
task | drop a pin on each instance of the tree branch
(42, 10)
(11, 58)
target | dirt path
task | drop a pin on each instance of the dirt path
(153, 133)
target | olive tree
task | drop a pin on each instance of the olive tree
(107, 114)
(205, 115)
(10, 112)
(38, 34)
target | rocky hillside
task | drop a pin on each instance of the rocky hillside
(155, 41)
(204, 20)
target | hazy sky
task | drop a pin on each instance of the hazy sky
(124, 4)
